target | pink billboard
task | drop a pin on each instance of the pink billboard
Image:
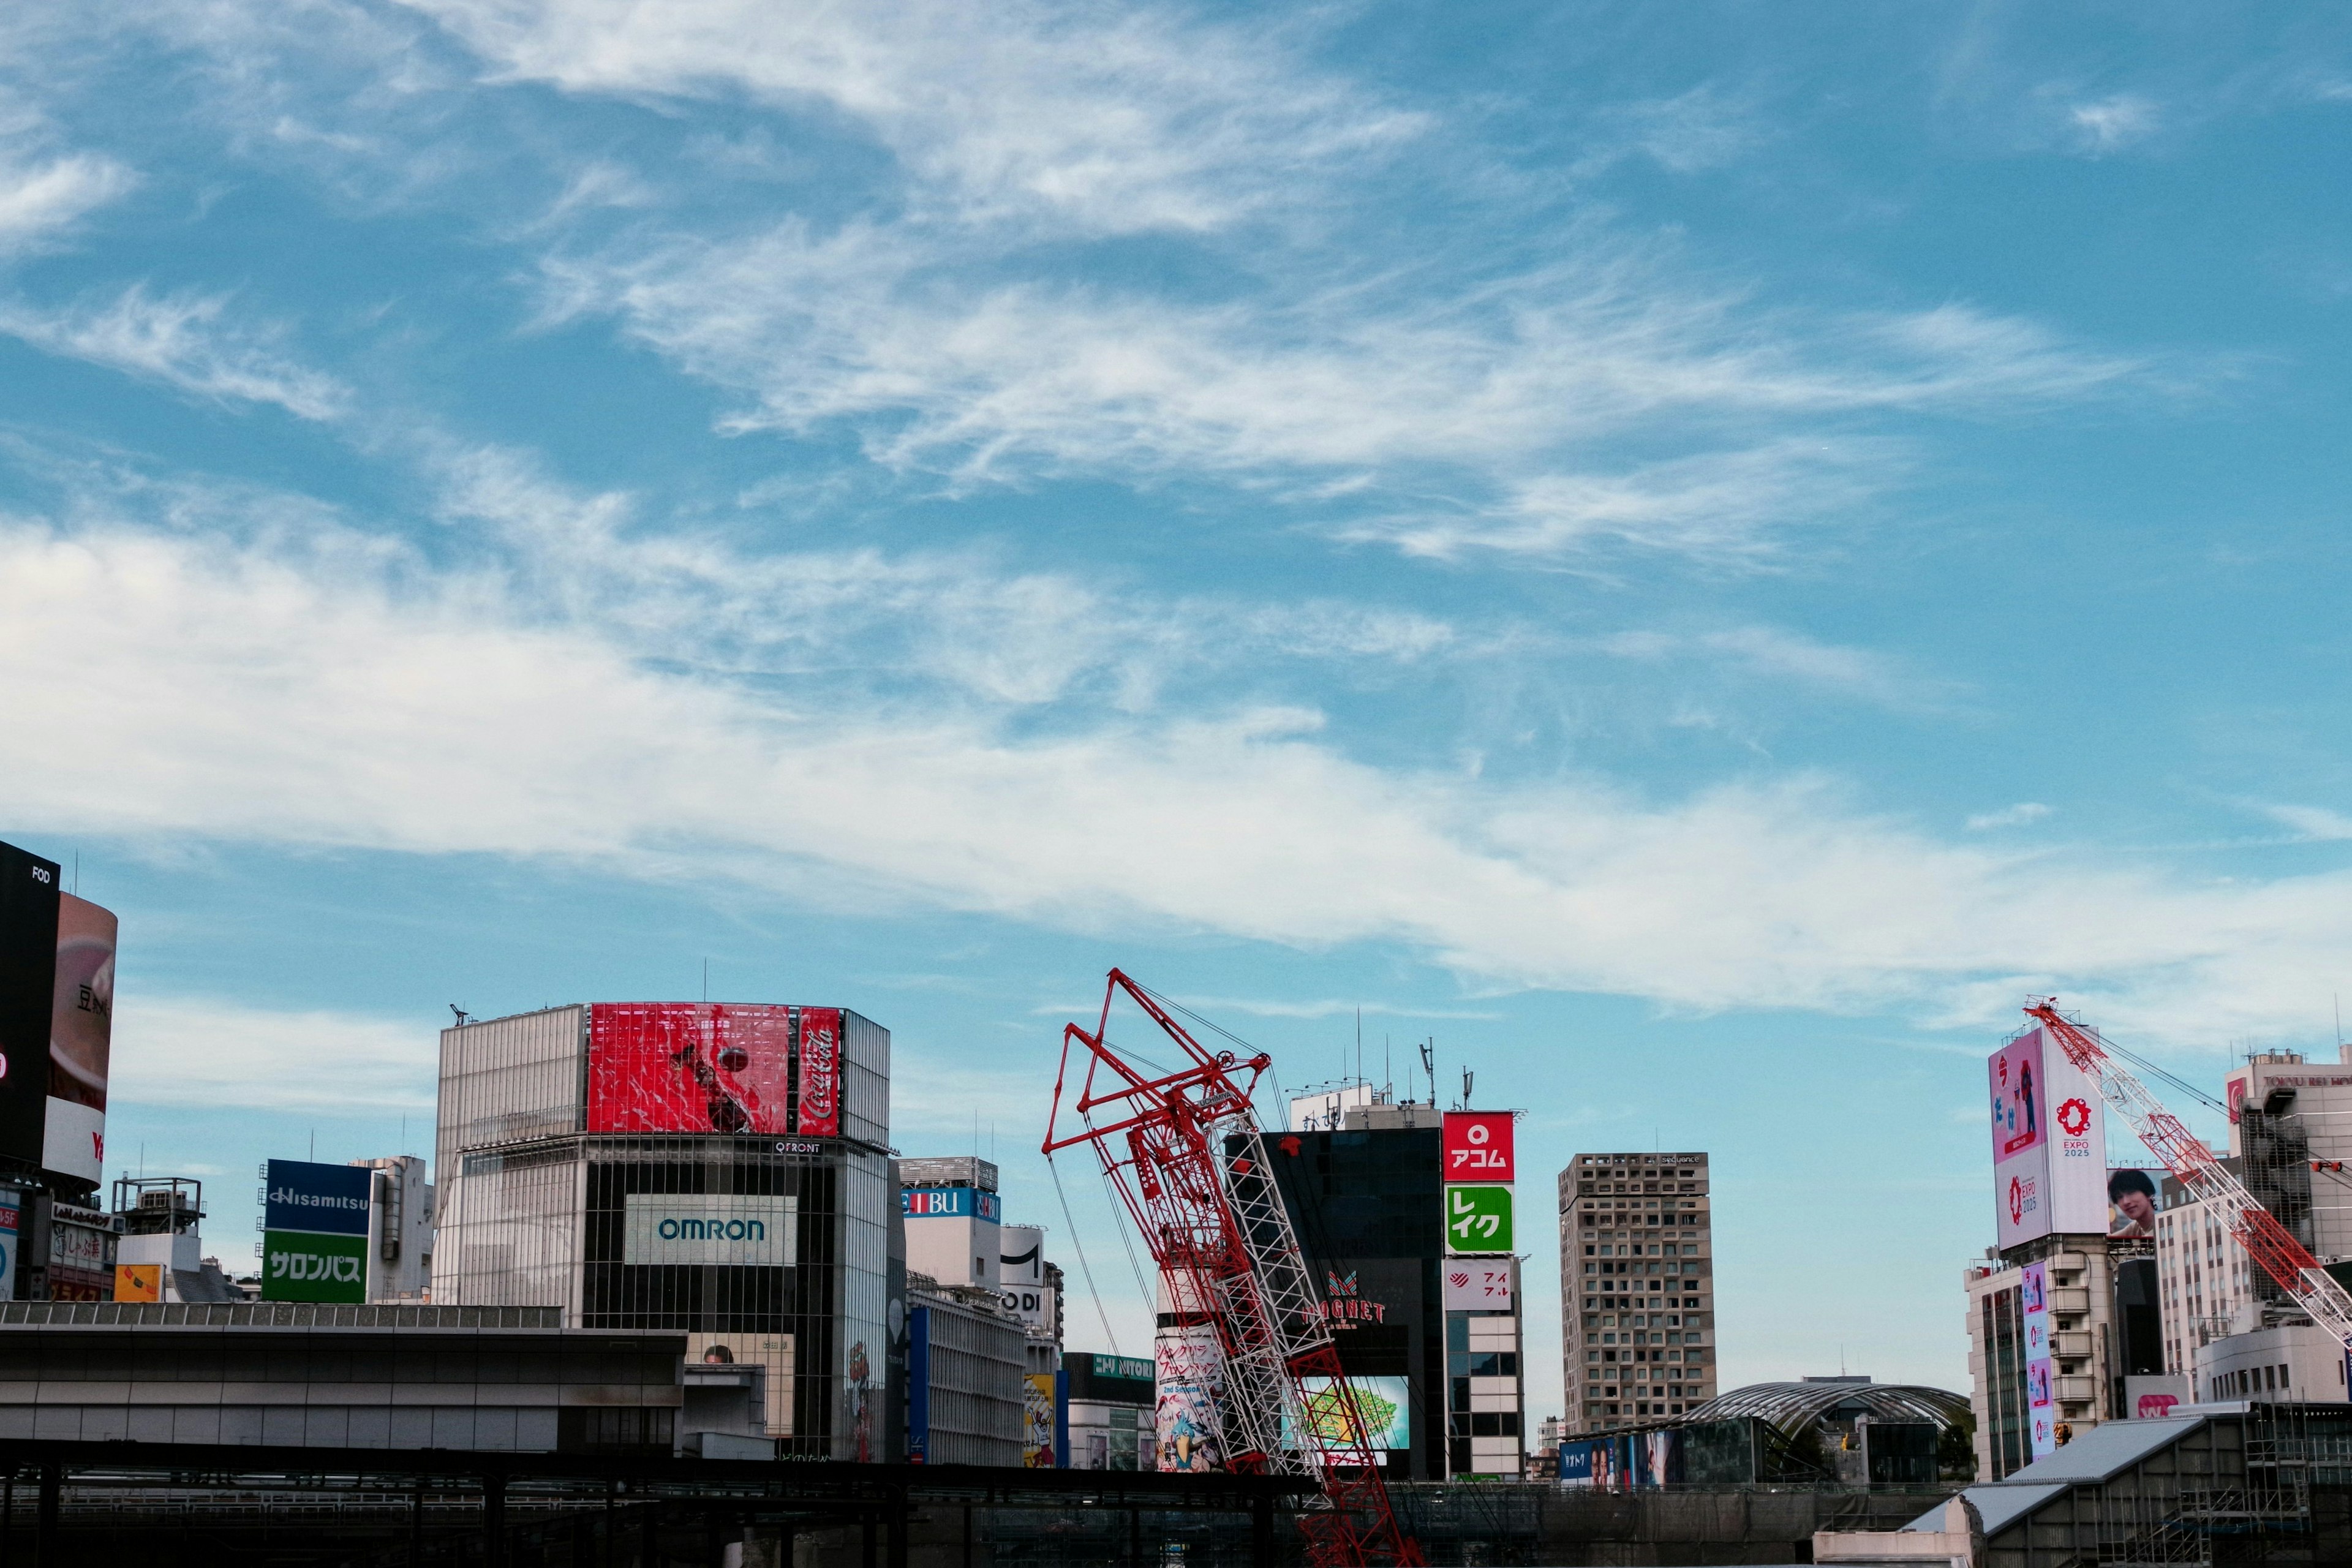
(2020, 1091)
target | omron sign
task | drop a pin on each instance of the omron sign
(722, 1229)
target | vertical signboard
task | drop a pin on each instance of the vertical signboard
(2049, 1142)
(918, 1386)
(1480, 1161)
(29, 960)
(817, 1077)
(314, 1232)
(2042, 1409)
(1037, 1420)
(81, 1037)
(11, 1215)
(1189, 1386)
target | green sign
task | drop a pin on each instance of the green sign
(1478, 1219)
(304, 1266)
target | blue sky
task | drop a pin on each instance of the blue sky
(1695, 553)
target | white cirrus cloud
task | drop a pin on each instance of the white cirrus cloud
(354, 698)
(2018, 816)
(40, 199)
(2317, 823)
(1493, 405)
(190, 1051)
(2110, 124)
(185, 341)
(1106, 118)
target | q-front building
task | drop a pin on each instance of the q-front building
(713, 1169)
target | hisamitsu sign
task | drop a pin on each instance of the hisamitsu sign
(305, 1195)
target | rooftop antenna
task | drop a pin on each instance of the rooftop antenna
(1359, 1042)
(463, 1017)
(1428, 1068)
(1466, 1075)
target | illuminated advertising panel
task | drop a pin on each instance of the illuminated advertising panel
(819, 1072)
(2041, 1410)
(2049, 1142)
(2135, 1197)
(1384, 1405)
(29, 896)
(10, 1216)
(690, 1067)
(1479, 1147)
(82, 1035)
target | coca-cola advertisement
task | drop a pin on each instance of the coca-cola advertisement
(819, 1072)
(690, 1067)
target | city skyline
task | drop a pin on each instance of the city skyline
(1696, 556)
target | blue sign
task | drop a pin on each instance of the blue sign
(918, 1386)
(951, 1202)
(331, 1200)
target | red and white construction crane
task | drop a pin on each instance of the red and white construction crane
(2267, 1242)
(1180, 1145)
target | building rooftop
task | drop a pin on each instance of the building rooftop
(1792, 1406)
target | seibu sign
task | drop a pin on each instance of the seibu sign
(1478, 1146)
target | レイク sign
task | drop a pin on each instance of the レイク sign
(1478, 1219)
(1478, 1146)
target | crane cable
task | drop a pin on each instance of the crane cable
(1084, 1266)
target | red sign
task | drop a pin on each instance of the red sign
(819, 1072)
(1478, 1146)
(688, 1066)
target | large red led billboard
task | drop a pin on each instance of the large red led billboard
(713, 1066)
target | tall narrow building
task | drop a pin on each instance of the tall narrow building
(1637, 1288)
